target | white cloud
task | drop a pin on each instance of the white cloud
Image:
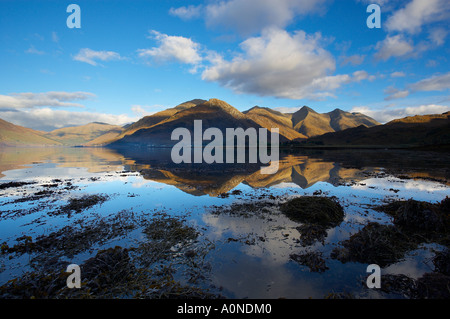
(282, 65)
(355, 59)
(398, 74)
(173, 49)
(417, 13)
(47, 119)
(33, 50)
(394, 93)
(37, 110)
(434, 83)
(287, 109)
(186, 13)
(432, 63)
(388, 114)
(250, 16)
(55, 37)
(54, 99)
(393, 46)
(145, 110)
(437, 36)
(90, 56)
(362, 75)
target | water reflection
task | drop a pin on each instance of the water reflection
(252, 255)
(303, 168)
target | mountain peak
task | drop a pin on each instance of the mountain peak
(189, 104)
(302, 113)
(306, 109)
(224, 106)
(337, 111)
(256, 107)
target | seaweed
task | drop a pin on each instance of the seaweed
(375, 244)
(14, 184)
(165, 236)
(441, 262)
(322, 211)
(433, 285)
(110, 273)
(313, 260)
(427, 221)
(145, 271)
(71, 240)
(309, 234)
(77, 205)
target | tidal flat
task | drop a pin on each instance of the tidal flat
(147, 229)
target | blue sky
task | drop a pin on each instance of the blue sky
(134, 58)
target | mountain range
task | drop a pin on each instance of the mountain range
(156, 129)
(414, 131)
(15, 135)
(304, 127)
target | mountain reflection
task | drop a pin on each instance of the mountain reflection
(301, 167)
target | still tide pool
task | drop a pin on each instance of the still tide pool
(250, 251)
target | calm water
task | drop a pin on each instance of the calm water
(251, 252)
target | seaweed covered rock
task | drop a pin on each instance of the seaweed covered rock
(431, 285)
(107, 269)
(322, 211)
(77, 205)
(311, 234)
(442, 262)
(35, 285)
(420, 216)
(375, 244)
(313, 260)
(399, 284)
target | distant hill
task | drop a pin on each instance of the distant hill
(156, 129)
(145, 122)
(15, 135)
(269, 118)
(213, 113)
(415, 131)
(310, 123)
(83, 134)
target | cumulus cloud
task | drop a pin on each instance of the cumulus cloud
(91, 57)
(172, 49)
(47, 119)
(282, 65)
(398, 74)
(355, 59)
(393, 46)
(434, 83)
(186, 13)
(52, 99)
(409, 21)
(249, 16)
(394, 93)
(417, 13)
(387, 114)
(437, 36)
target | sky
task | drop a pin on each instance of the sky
(133, 58)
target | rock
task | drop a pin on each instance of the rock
(375, 244)
(314, 210)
